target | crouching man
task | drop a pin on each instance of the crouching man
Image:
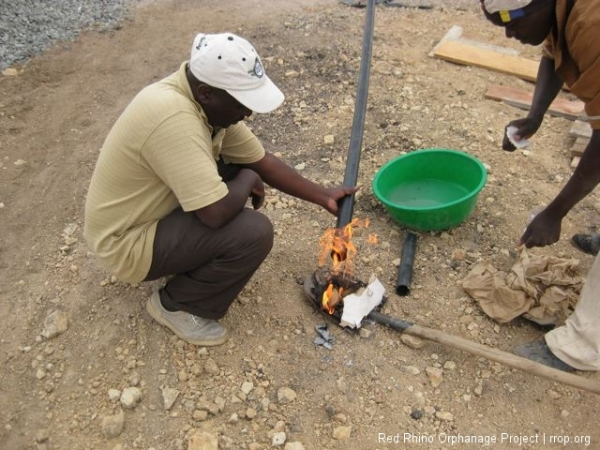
(169, 191)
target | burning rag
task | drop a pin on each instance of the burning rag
(543, 288)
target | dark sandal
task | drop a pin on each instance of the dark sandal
(587, 243)
(539, 351)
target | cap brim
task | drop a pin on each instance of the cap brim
(262, 100)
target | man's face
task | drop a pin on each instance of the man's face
(532, 29)
(222, 110)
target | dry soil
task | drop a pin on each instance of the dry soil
(63, 392)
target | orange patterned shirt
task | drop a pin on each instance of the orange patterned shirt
(574, 45)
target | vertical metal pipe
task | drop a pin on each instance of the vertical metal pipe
(407, 260)
(346, 204)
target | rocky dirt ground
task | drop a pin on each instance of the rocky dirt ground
(111, 378)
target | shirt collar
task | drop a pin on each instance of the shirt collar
(187, 89)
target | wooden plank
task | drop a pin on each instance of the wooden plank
(455, 34)
(569, 109)
(581, 129)
(579, 146)
(461, 53)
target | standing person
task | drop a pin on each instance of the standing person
(169, 191)
(570, 32)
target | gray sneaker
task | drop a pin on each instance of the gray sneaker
(193, 329)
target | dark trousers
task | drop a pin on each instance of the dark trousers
(210, 267)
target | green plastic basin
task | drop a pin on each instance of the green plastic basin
(430, 189)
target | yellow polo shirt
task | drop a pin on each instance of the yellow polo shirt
(159, 155)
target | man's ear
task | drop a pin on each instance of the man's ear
(204, 92)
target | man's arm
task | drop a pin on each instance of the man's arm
(547, 87)
(282, 177)
(246, 184)
(545, 227)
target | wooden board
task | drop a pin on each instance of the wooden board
(579, 146)
(461, 53)
(455, 34)
(569, 109)
(581, 129)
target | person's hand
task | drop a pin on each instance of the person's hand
(544, 229)
(525, 129)
(335, 195)
(257, 195)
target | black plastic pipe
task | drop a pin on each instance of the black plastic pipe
(407, 260)
(346, 204)
(392, 322)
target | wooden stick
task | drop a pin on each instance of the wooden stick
(493, 354)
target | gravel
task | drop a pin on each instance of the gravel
(28, 27)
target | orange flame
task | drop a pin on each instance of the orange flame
(331, 297)
(336, 243)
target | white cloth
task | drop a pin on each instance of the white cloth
(493, 6)
(510, 134)
(577, 342)
(357, 307)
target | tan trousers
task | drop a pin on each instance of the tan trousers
(577, 342)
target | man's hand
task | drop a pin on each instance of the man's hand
(525, 129)
(258, 193)
(543, 230)
(335, 195)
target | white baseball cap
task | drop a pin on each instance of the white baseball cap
(494, 6)
(229, 62)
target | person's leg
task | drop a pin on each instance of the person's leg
(577, 342)
(207, 268)
(210, 267)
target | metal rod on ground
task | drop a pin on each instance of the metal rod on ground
(358, 124)
(407, 260)
(508, 359)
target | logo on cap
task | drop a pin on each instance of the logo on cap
(257, 70)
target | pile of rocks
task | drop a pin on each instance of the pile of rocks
(28, 27)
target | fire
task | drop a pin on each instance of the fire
(337, 246)
(331, 297)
